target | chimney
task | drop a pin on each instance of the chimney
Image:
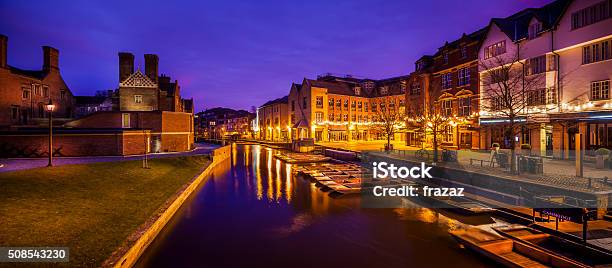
(3, 47)
(50, 59)
(151, 66)
(126, 65)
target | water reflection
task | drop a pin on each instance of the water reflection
(248, 214)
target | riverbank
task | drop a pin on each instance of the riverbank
(90, 208)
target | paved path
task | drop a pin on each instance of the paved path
(360, 146)
(12, 164)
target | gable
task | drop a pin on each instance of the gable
(137, 79)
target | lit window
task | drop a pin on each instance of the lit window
(464, 76)
(319, 101)
(600, 90)
(125, 120)
(25, 94)
(138, 98)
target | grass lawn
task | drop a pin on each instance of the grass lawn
(90, 208)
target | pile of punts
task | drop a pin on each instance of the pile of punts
(299, 158)
(522, 246)
(338, 178)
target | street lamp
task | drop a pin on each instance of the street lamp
(50, 107)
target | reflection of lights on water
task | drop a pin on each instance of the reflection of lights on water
(270, 193)
(288, 185)
(278, 180)
(259, 187)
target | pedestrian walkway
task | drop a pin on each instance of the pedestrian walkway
(362, 146)
(12, 164)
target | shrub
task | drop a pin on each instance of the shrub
(602, 151)
(495, 144)
(525, 146)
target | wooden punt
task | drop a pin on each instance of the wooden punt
(580, 253)
(508, 252)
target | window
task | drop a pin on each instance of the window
(600, 90)
(382, 106)
(447, 134)
(357, 91)
(465, 106)
(345, 104)
(495, 49)
(125, 120)
(330, 103)
(330, 117)
(354, 117)
(373, 106)
(445, 57)
(403, 86)
(14, 112)
(463, 52)
(345, 117)
(360, 106)
(360, 119)
(534, 30)
(318, 117)
(339, 118)
(525, 139)
(45, 91)
(599, 51)
(536, 97)
(498, 75)
(592, 14)
(304, 102)
(384, 90)
(319, 101)
(353, 105)
(551, 65)
(401, 103)
(62, 94)
(464, 76)
(25, 94)
(138, 98)
(447, 107)
(37, 90)
(339, 104)
(446, 81)
(536, 65)
(415, 88)
(365, 108)
(293, 105)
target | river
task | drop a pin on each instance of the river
(253, 212)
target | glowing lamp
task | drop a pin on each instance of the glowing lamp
(50, 106)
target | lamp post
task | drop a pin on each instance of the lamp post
(50, 107)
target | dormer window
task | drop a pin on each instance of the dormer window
(384, 90)
(357, 91)
(534, 30)
(463, 52)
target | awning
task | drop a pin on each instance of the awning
(301, 124)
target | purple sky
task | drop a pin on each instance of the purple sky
(239, 53)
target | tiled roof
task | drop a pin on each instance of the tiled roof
(284, 99)
(516, 26)
(37, 74)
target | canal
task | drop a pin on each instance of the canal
(253, 212)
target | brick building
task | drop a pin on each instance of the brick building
(273, 121)
(219, 122)
(23, 93)
(334, 108)
(454, 90)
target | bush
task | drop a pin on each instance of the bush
(602, 151)
(525, 146)
(495, 144)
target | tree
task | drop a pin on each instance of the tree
(429, 119)
(509, 86)
(388, 121)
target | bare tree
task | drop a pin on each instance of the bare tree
(509, 86)
(430, 120)
(388, 121)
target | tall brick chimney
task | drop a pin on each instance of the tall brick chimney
(151, 66)
(50, 59)
(3, 47)
(126, 65)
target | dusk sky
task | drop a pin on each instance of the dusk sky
(239, 54)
